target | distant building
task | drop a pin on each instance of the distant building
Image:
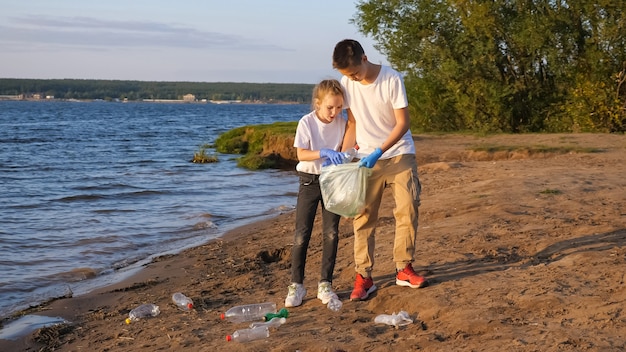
(11, 97)
(189, 98)
(225, 101)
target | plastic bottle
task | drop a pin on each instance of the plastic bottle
(400, 319)
(251, 334)
(334, 304)
(143, 311)
(182, 302)
(249, 312)
(273, 323)
(350, 154)
(282, 313)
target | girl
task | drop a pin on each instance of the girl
(318, 137)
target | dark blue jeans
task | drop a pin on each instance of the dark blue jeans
(309, 197)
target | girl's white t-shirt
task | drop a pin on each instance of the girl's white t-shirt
(313, 134)
(372, 106)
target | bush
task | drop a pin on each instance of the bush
(264, 146)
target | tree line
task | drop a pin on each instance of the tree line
(503, 65)
(139, 90)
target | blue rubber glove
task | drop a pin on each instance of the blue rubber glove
(370, 160)
(332, 157)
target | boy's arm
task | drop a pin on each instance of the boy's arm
(403, 123)
(349, 138)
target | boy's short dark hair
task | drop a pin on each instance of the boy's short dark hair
(348, 52)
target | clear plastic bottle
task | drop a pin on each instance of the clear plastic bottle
(249, 312)
(334, 304)
(182, 302)
(273, 323)
(143, 311)
(400, 319)
(251, 334)
(350, 154)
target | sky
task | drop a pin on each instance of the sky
(259, 41)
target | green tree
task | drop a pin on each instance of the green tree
(505, 65)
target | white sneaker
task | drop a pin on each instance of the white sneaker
(325, 292)
(295, 295)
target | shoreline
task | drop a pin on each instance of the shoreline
(145, 274)
(159, 101)
(520, 250)
(94, 282)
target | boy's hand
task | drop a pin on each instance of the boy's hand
(332, 157)
(370, 160)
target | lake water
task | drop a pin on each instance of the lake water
(100, 188)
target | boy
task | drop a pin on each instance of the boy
(378, 121)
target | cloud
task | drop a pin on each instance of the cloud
(91, 32)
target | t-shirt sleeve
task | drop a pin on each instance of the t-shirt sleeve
(303, 135)
(399, 99)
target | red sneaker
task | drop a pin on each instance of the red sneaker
(408, 277)
(362, 288)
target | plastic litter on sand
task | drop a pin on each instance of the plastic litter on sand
(400, 319)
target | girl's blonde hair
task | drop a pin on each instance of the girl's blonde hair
(322, 89)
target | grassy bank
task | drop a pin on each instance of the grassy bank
(263, 146)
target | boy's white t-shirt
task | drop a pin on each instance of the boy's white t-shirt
(372, 106)
(313, 134)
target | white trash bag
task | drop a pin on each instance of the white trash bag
(343, 188)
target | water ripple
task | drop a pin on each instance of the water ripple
(90, 191)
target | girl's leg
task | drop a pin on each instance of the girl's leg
(306, 208)
(330, 233)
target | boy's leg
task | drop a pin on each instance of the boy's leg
(365, 224)
(364, 237)
(406, 189)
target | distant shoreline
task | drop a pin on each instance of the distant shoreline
(158, 101)
(170, 92)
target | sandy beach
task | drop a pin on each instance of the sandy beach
(524, 250)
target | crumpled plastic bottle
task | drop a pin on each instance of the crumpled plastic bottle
(143, 311)
(400, 319)
(282, 313)
(182, 302)
(334, 304)
(350, 154)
